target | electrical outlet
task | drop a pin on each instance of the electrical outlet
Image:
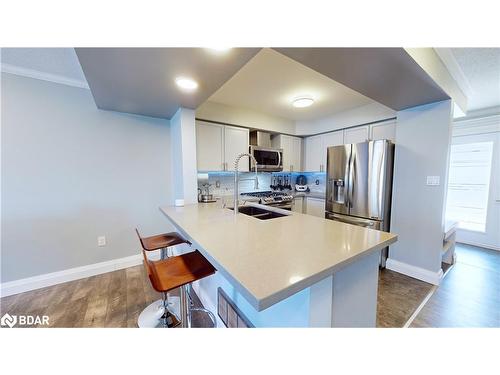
(432, 180)
(101, 241)
(217, 184)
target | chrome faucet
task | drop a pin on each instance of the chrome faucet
(237, 180)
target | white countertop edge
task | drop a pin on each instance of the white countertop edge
(279, 296)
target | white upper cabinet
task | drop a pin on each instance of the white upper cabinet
(385, 130)
(217, 146)
(316, 149)
(357, 135)
(236, 141)
(292, 151)
(329, 140)
(209, 146)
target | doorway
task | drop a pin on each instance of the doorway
(473, 198)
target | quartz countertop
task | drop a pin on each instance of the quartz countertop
(270, 260)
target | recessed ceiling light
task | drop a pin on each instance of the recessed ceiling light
(302, 102)
(187, 84)
(220, 49)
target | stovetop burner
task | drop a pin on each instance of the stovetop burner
(269, 193)
(271, 197)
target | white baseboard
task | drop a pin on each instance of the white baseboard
(48, 279)
(486, 246)
(416, 272)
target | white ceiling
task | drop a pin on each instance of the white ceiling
(270, 81)
(477, 71)
(58, 61)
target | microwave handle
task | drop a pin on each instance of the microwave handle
(279, 159)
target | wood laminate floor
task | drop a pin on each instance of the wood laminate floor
(113, 299)
(469, 295)
(399, 296)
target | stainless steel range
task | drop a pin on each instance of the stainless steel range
(277, 199)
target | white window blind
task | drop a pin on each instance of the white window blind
(469, 184)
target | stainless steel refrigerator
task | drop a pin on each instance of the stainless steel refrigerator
(359, 185)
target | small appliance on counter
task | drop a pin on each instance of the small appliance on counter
(205, 197)
(301, 184)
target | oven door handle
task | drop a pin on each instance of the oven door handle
(279, 159)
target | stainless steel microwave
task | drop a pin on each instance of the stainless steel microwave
(268, 159)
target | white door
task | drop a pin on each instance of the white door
(329, 140)
(314, 148)
(209, 146)
(473, 197)
(383, 131)
(315, 207)
(357, 135)
(236, 141)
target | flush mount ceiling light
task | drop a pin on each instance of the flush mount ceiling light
(219, 49)
(186, 84)
(302, 102)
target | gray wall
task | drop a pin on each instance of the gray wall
(423, 137)
(70, 173)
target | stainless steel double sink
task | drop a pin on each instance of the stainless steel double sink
(258, 213)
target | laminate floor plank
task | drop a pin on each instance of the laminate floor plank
(469, 295)
(399, 296)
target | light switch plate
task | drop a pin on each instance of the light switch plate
(101, 241)
(432, 180)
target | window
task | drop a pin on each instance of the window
(469, 184)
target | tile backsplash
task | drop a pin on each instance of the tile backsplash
(221, 183)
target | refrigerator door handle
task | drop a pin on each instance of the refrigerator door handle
(352, 220)
(352, 160)
(347, 181)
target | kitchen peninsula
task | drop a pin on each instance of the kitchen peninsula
(296, 270)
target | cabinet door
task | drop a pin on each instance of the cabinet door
(329, 140)
(298, 205)
(315, 207)
(296, 161)
(357, 135)
(236, 141)
(286, 145)
(209, 146)
(383, 131)
(314, 148)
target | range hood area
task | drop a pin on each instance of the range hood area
(269, 159)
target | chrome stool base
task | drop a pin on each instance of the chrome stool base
(152, 315)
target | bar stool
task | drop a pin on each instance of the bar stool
(179, 272)
(159, 312)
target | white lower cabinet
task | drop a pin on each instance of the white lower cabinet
(298, 205)
(315, 207)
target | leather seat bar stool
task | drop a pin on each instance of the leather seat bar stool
(161, 242)
(179, 272)
(159, 312)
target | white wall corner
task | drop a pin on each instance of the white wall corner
(432, 277)
(183, 144)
